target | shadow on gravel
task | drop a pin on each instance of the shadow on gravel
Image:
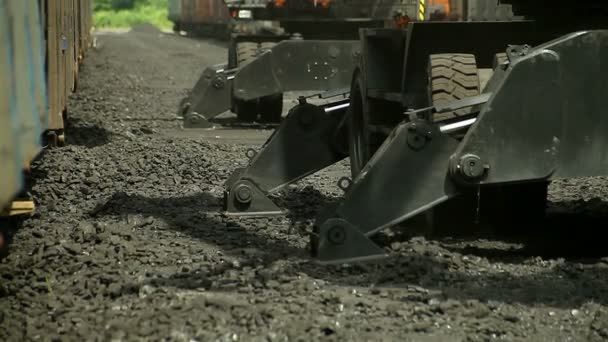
(569, 236)
(565, 285)
(82, 133)
(197, 216)
(233, 122)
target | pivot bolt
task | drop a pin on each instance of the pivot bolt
(416, 141)
(218, 83)
(251, 153)
(345, 183)
(336, 235)
(471, 166)
(242, 194)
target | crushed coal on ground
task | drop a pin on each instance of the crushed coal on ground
(129, 243)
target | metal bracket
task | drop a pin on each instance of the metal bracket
(398, 183)
(211, 96)
(515, 52)
(244, 198)
(338, 241)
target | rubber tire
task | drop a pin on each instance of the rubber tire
(232, 53)
(264, 46)
(358, 144)
(271, 108)
(364, 143)
(452, 77)
(246, 52)
(246, 111)
(499, 59)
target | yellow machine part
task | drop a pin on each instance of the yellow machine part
(19, 208)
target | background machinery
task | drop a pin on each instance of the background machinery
(318, 54)
(206, 18)
(428, 141)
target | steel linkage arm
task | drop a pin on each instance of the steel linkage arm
(308, 140)
(406, 176)
(298, 65)
(545, 119)
(291, 65)
(210, 97)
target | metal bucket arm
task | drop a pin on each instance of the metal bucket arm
(298, 65)
(210, 97)
(546, 119)
(291, 65)
(306, 142)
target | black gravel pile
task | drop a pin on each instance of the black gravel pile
(129, 243)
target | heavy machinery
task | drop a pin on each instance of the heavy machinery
(428, 141)
(314, 49)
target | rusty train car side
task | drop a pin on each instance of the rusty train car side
(42, 44)
(67, 28)
(200, 17)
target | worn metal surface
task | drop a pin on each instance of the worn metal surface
(199, 11)
(200, 17)
(23, 93)
(42, 43)
(10, 179)
(68, 25)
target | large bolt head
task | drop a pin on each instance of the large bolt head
(416, 141)
(336, 235)
(243, 194)
(471, 166)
